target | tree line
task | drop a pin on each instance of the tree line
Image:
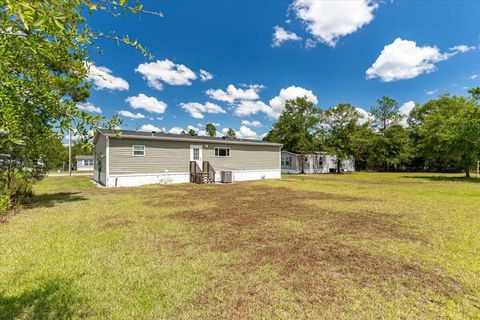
(441, 135)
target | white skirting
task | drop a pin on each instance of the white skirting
(131, 180)
(247, 175)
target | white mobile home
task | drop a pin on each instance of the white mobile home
(316, 162)
(84, 162)
(132, 158)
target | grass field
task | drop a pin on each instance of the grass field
(360, 246)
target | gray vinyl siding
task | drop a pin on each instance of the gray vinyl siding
(160, 156)
(244, 157)
(100, 153)
(81, 166)
(174, 156)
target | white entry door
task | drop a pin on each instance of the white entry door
(196, 154)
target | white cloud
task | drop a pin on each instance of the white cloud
(166, 71)
(403, 59)
(431, 92)
(248, 107)
(461, 48)
(190, 127)
(178, 130)
(88, 107)
(281, 35)
(328, 21)
(277, 104)
(197, 110)
(246, 133)
(205, 75)
(474, 76)
(102, 78)
(224, 131)
(407, 107)
(243, 132)
(131, 115)
(77, 137)
(231, 94)
(150, 128)
(405, 110)
(150, 104)
(254, 123)
(175, 130)
(365, 116)
(310, 43)
(199, 131)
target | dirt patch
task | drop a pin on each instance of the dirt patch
(364, 224)
(114, 222)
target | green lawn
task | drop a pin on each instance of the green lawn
(359, 246)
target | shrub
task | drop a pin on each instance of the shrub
(19, 193)
(4, 203)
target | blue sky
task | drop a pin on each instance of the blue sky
(268, 51)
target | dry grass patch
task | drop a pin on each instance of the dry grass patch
(370, 246)
(312, 262)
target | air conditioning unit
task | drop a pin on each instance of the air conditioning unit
(226, 176)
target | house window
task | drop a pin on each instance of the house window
(138, 151)
(320, 162)
(196, 154)
(88, 162)
(222, 152)
(286, 161)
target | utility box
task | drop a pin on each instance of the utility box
(226, 176)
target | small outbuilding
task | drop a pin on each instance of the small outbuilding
(84, 162)
(315, 162)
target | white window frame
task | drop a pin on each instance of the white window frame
(219, 156)
(138, 155)
(286, 161)
(196, 156)
(88, 162)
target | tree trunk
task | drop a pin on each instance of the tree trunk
(339, 165)
(467, 171)
(302, 161)
(8, 182)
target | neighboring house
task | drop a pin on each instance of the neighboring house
(84, 162)
(132, 158)
(316, 162)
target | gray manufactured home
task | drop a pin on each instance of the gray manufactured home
(132, 158)
(316, 162)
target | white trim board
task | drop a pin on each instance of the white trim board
(107, 158)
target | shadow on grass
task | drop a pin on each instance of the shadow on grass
(51, 199)
(445, 178)
(52, 299)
